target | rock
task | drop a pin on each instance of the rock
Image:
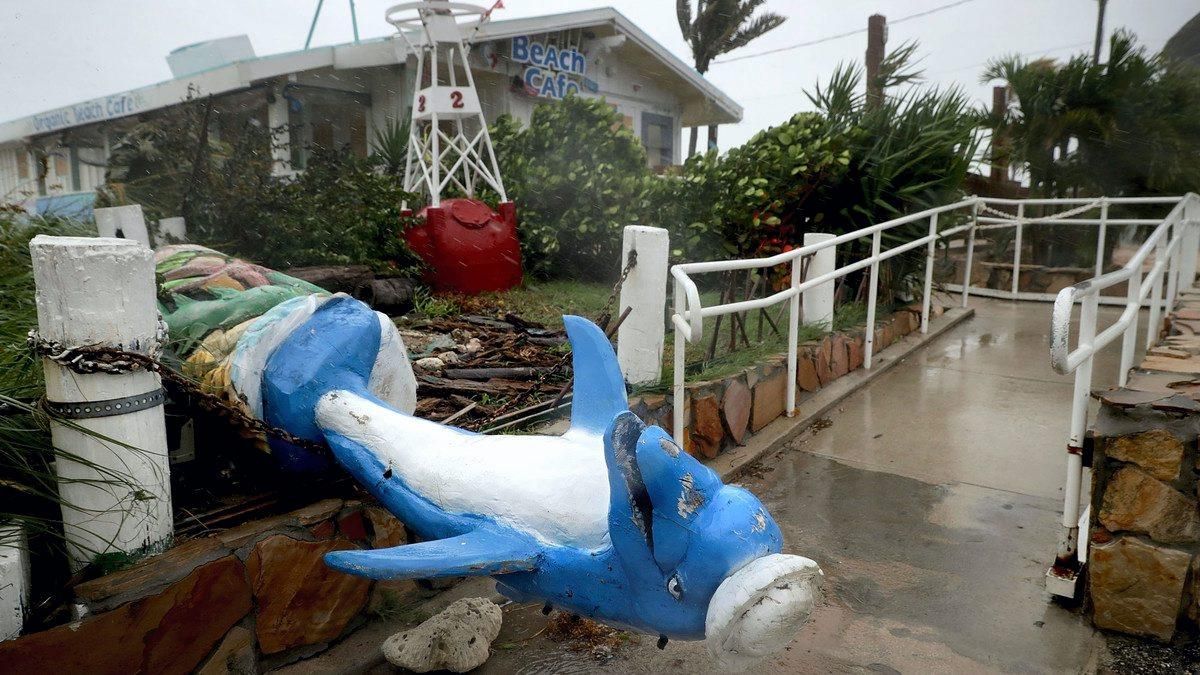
(854, 352)
(1136, 587)
(735, 408)
(1136, 502)
(166, 633)
(458, 639)
(430, 364)
(839, 360)
(1157, 451)
(449, 358)
(301, 601)
(770, 394)
(824, 362)
(472, 346)
(150, 575)
(235, 654)
(439, 343)
(387, 530)
(707, 431)
(806, 372)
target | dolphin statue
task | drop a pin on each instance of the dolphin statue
(612, 520)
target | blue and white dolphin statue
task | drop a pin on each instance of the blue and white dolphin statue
(611, 520)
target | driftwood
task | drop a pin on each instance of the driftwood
(443, 386)
(392, 295)
(516, 373)
(334, 278)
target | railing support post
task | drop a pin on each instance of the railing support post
(1100, 236)
(115, 490)
(677, 388)
(1156, 291)
(966, 292)
(1016, 271)
(818, 301)
(927, 296)
(1069, 539)
(641, 336)
(1129, 339)
(872, 294)
(793, 334)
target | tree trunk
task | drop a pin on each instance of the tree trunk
(712, 137)
(692, 140)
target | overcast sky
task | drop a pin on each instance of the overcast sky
(58, 52)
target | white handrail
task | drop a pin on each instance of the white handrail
(1174, 242)
(1169, 242)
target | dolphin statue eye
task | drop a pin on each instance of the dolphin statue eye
(674, 587)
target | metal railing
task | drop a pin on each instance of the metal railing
(689, 315)
(1174, 267)
(1173, 243)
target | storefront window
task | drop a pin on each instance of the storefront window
(658, 135)
(328, 120)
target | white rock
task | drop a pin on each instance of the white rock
(471, 347)
(430, 363)
(458, 639)
(449, 358)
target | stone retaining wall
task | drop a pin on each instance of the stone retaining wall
(243, 600)
(727, 412)
(1144, 545)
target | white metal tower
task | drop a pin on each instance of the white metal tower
(448, 141)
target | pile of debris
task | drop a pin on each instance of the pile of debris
(482, 373)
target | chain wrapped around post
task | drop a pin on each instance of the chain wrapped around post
(100, 358)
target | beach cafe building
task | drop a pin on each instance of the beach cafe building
(338, 96)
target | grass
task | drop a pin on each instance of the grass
(546, 302)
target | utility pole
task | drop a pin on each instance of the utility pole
(876, 39)
(999, 169)
(1099, 31)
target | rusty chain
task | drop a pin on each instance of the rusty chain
(100, 358)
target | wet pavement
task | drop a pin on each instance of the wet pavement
(930, 499)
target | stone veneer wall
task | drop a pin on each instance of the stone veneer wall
(1144, 544)
(727, 412)
(242, 600)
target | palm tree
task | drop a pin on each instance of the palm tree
(718, 27)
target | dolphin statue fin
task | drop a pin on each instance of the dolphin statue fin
(599, 390)
(477, 553)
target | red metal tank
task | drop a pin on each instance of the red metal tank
(468, 247)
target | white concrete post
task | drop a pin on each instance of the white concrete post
(818, 301)
(640, 338)
(14, 580)
(101, 292)
(123, 222)
(173, 228)
(1191, 242)
(281, 135)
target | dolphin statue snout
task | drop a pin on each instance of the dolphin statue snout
(612, 520)
(759, 609)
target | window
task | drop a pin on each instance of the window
(658, 135)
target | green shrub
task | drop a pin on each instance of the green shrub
(578, 176)
(340, 210)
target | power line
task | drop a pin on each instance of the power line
(839, 36)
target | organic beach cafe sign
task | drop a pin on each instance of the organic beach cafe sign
(549, 67)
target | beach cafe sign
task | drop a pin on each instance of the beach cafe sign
(548, 67)
(96, 110)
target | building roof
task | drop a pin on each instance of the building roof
(242, 74)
